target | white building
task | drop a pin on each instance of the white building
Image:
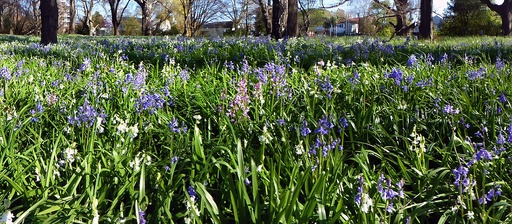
(343, 27)
(216, 29)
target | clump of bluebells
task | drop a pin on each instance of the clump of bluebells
(5, 73)
(36, 112)
(278, 79)
(137, 82)
(304, 129)
(493, 193)
(87, 115)
(150, 102)
(462, 181)
(176, 127)
(325, 85)
(413, 61)
(396, 75)
(238, 108)
(387, 193)
(324, 125)
(449, 109)
(362, 198)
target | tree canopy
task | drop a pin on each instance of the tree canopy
(470, 17)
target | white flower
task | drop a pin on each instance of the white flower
(299, 149)
(38, 175)
(366, 203)
(96, 216)
(56, 173)
(139, 159)
(461, 202)
(67, 129)
(133, 131)
(70, 152)
(7, 217)
(259, 168)
(122, 127)
(265, 137)
(98, 124)
(471, 215)
(11, 113)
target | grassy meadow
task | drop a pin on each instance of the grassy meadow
(252, 130)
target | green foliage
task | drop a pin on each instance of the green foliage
(259, 23)
(325, 130)
(131, 26)
(316, 18)
(98, 19)
(470, 17)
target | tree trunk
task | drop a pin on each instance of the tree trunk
(279, 18)
(49, 21)
(505, 22)
(266, 15)
(90, 24)
(1, 18)
(292, 26)
(504, 10)
(116, 16)
(426, 19)
(145, 7)
(72, 15)
(115, 22)
(2, 8)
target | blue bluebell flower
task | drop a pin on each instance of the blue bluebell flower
(477, 74)
(325, 85)
(86, 64)
(343, 122)
(142, 217)
(304, 129)
(324, 125)
(280, 122)
(354, 80)
(430, 59)
(503, 98)
(174, 160)
(5, 73)
(149, 102)
(359, 194)
(86, 115)
(413, 61)
(443, 59)
(483, 154)
(191, 192)
(184, 75)
(396, 75)
(448, 109)
(461, 176)
(390, 208)
(500, 64)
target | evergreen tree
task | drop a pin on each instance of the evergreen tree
(470, 17)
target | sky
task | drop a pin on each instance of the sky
(439, 5)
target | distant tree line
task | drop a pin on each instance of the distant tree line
(277, 18)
